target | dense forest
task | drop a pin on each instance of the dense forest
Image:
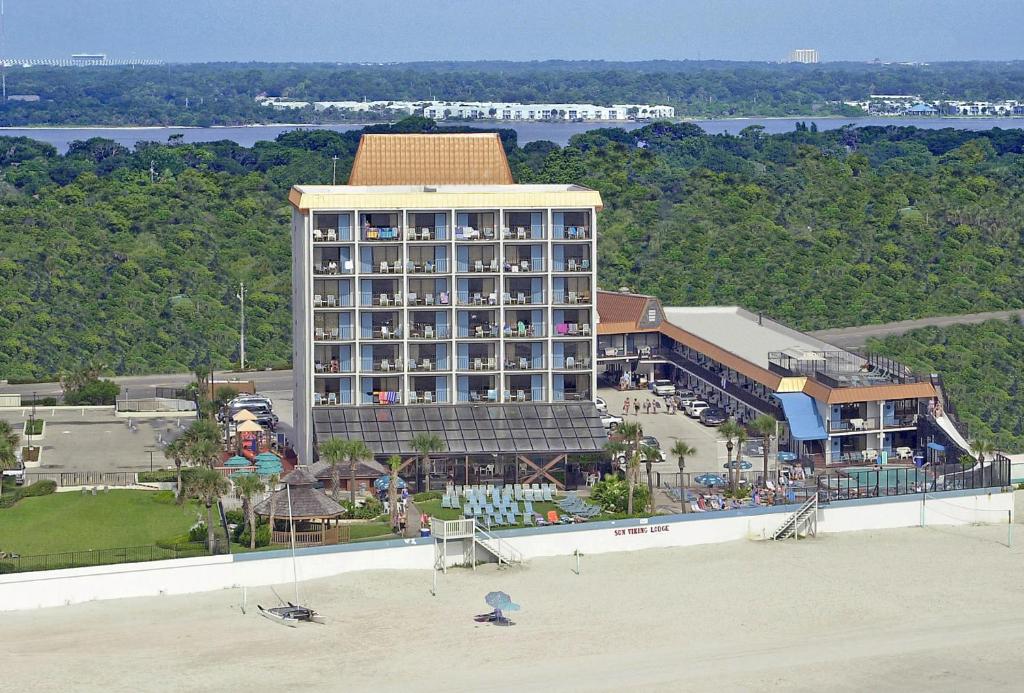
(224, 93)
(130, 260)
(982, 366)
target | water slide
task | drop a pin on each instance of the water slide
(947, 426)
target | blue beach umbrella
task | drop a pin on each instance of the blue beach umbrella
(237, 461)
(382, 483)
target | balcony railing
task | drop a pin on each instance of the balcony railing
(381, 333)
(852, 425)
(477, 363)
(514, 265)
(573, 329)
(429, 332)
(572, 265)
(468, 233)
(435, 266)
(534, 232)
(328, 399)
(523, 331)
(524, 363)
(413, 299)
(428, 365)
(576, 395)
(489, 266)
(714, 380)
(487, 395)
(571, 233)
(571, 298)
(343, 235)
(332, 334)
(522, 298)
(478, 332)
(332, 268)
(900, 421)
(476, 298)
(428, 397)
(571, 363)
(382, 365)
(535, 394)
(381, 267)
(383, 397)
(382, 300)
(383, 233)
(332, 366)
(332, 301)
(427, 233)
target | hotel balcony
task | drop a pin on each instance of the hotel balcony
(428, 357)
(332, 391)
(380, 293)
(572, 357)
(481, 261)
(570, 291)
(332, 293)
(328, 331)
(427, 226)
(332, 228)
(427, 261)
(386, 260)
(571, 387)
(476, 388)
(428, 292)
(475, 226)
(522, 291)
(524, 258)
(572, 259)
(383, 390)
(477, 357)
(380, 227)
(571, 226)
(428, 389)
(571, 322)
(332, 261)
(524, 226)
(852, 425)
(524, 388)
(524, 356)
(422, 328)
(332, 359)
(523, 324)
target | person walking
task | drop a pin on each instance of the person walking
(636, 406)
(625, 407)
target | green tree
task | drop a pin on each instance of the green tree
(209, 486)
(249, 485)
(394, 464)
(334, 452)
(735, 435)
(767, 427)
(176, 451)
(425, 444)
(355, 452)
(681, 450)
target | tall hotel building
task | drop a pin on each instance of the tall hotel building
(431, 294)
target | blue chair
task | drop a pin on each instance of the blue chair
(528, 508)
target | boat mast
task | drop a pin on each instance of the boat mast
(291, 525)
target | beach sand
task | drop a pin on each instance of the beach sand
(914, 609)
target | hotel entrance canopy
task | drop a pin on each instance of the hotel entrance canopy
(469, 429)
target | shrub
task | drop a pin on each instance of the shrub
(370, 509)
(612, 494)
(40, 488)
(43, 402)
(197, 532)
(159, 475)
(94, 392)
(262, 536)
(235, 517)
(33, 427)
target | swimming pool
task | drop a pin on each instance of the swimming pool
(886, 476)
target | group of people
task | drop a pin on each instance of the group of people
(649, 405)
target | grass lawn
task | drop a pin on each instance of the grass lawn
(73, 522)
(370, 530)
(434, 509)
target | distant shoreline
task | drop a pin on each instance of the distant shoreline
(499, 123)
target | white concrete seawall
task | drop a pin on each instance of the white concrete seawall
(193, 575)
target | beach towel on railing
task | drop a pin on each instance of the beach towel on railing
(382, 397)
(392, 397)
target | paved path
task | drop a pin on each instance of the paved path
(852, 337)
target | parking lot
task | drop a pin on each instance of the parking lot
(668, 428)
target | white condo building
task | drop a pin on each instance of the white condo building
(432, 279)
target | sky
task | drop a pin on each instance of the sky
(415, 30)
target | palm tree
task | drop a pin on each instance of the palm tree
(208, 485)
(176, 451)
(630, 434)
(355, 452)
(732, 432)
(765, 426)
(249, 485)
(681, 449)
(272, 481)
(333, 452)
(8, 434)
(203, 453)
(424, 444)
(394, 463)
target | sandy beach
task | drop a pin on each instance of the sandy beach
(914, 609)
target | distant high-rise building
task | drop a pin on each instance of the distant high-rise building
(803, 55)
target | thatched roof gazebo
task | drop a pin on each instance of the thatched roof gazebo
(311, 509)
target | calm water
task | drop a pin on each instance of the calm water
(528, 132)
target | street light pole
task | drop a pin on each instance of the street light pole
(334, 174)
(241, 340)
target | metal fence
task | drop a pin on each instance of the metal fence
(155, 404)
(899, 481)
(13, 563)
(64, 479)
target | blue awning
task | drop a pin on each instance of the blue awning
(802, 415)
(937, 447)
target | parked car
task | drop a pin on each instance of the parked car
(664, 388)
(652, 442)
(257, 407)
(610, 421)
(713, 416)
(602, 406)
(694, 408)
(267, 420)
(685, 393)
(245, 398)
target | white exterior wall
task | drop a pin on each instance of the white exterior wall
(192, 575)
(302, 333)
